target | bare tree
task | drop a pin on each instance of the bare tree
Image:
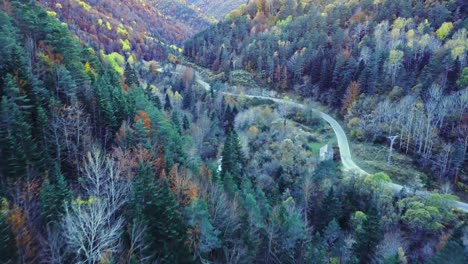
(392, 141)
(92, 226)
(137, 243)
(71, 134)
(91, 230)
(54, 247)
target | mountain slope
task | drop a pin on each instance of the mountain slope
(388, 67)
(144, 28)
(218, 8)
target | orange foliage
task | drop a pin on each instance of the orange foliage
(206, 173)
(122, 133)
(7, 7)
(144, 23)
(352, 94)
(187, 76)
(52, 55)
(161, 162)
(123, 84)
(162, 175)
(182, 185)
(146, 120)
(23, 238)
(443, 240)
(359, 17)
(259, 23)
(129, 160)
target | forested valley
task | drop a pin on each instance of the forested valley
(129, 134)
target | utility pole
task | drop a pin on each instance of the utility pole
(392, 141)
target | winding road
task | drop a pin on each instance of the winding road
(343, 144)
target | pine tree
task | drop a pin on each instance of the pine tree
(369, 237)
(140, 134)
(233, 159)
(229, 185)
(53, 197)
(330, 208)
(19, 149)
(186, 123)
(131, 78)
(176, 120)
(155, 205)
(167, 103)
(203, 236)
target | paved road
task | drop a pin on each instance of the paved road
(343, 144)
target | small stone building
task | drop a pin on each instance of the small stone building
(326, 153)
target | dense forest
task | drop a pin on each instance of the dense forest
(147, 29)
(388, 67)
(109, 158)
(218, 8)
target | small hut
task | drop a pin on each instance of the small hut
(326, 153)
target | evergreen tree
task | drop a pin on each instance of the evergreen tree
(453, 252)
(232, 160)
(186, 123)
(155, 205)
(53, 197)
(140, 134)
(157, 102)
(330, 208)
(188, 99)
(167, 103)
(19, 149)
(229, 185)
(369, 237)
(131, 78)
(316, 252)
(203, 236)
(176, 120)
(333, 238)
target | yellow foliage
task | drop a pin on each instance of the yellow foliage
(444, 30)
(353, 122)
(99, 22)
(115, 60)
(177, 96)
(4, 206)
(90, 70)
(51, 13)
(174, 47)
(125, 45)
(58, 6)
(122, 32)
(253, 130)
(108, 25)
(172, 58)
(90, 200)
(399, 23)
(458, 52)
(410, 37)
(85, 5)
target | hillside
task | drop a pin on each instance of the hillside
(388, 68)
(147, 29)
(108, 160)
(218, 8)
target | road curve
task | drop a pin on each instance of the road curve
(343, 144)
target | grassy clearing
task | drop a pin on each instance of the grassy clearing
(373, 159)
